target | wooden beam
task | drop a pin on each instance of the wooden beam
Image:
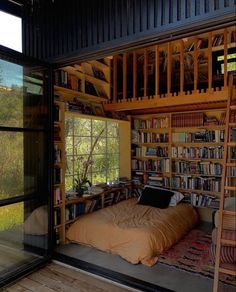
(157, 65)
(169, 69)
(145, 72)
(180, 100)
(225, 57)
(115, 78)
(134, 74)
(210, 61)
(124, 76)
(181, 67)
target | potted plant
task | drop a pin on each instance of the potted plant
(81, 181)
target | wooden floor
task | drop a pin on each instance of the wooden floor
(55, 277)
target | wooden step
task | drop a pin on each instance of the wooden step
(230, 213)
(232, 125)
(230, 188)
(228, 242)
(230, 164)
(231, 144)
(227, 271)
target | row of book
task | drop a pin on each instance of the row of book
(216, 136)
(232, 118)
(73, 211)
(193, 167)
(201, 200)
(198, 152)
(57, 154)
(57, 198)
(64, 79)
(141, 137)
(57, 175)
(162, 165)
(211, 184)
(149, 151)
(152, 123)
(188, 120)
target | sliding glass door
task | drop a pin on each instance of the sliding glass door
(25, 159)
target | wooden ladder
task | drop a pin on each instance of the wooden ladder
(226, 189)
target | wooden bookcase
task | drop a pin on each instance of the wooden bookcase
(89, 81)
(181, 151)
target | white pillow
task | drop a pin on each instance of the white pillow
(175, 199)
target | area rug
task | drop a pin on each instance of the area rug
(192, 254)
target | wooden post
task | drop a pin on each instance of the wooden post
(124, 76)
(225, 58)
(169, 69)
(115, 79)
(157, 65)
(145, 73)
(210, 61)
(181, 67)
(195, 73)
(134, 74)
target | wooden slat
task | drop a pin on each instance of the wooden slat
(145, 72)
(231, 144)
(115, 78)
(134, 74)
(233, 107)
(169, 69)
(229, 213)
(157, 65)
(230, 188)
(228, 242)
(210, 61)
(227, 271)
(231, 164)
(181, 67)
(225, 57)
(124, 76)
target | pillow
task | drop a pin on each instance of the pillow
(176, 197)
(37, 222)
(159, 198)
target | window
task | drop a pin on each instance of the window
(10, 31)
(80, 136)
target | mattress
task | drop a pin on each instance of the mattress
(135, 232)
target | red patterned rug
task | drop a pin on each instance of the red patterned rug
(192, 254)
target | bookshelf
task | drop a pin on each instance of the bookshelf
(187, 155)
(89, 81)
(59, 171)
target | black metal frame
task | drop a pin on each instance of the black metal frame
(18, 58)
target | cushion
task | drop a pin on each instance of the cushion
(176, 197)
(37, 222)
(154, 197)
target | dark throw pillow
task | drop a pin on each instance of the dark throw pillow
(155, 197)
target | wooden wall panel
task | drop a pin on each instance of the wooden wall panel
(60, 31)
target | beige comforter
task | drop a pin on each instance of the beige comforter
(135, 232)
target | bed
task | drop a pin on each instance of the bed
(137, 233)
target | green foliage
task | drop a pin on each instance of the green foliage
(11, 216)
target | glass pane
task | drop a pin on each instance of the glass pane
(23, 235)
(100, 146)
(113, 161)
(21, 162)
(100, 163)
(22, 101)
(69, 145)
(112, 145)
(97, 127)
(112, 175)
(69, 164)
(99, 177)
(82, 127)
(82, 145)
(112, 129)
(69, 183)
(68, 127)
